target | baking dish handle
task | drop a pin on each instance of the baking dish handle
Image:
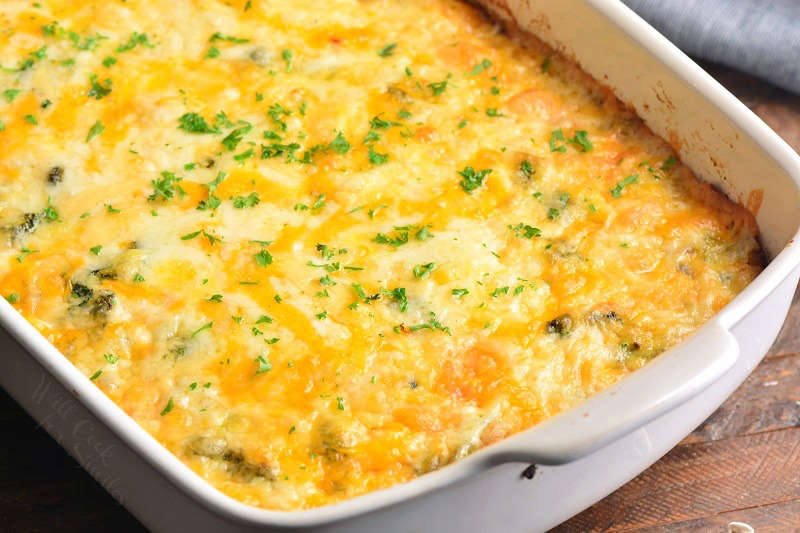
(666, 382)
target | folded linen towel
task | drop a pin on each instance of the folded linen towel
(761, 37)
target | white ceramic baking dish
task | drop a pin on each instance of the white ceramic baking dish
(582, 454)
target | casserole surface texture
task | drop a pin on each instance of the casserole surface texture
(317, 251)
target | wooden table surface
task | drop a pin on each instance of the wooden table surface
(742, 464)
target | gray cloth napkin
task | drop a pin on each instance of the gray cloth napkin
(761, 37)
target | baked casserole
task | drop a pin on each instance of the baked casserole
(320, 250)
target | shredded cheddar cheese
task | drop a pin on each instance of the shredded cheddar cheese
(318, 250)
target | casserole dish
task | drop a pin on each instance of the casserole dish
(710, 142)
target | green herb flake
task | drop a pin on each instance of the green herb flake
(263, 364)
(286, 55)
(244, 202)
(170, 405)
(194, 123)
(480, 67)
(555, 137)
(376, 158)
(96, 129)
(616, 192)
(387, 50)
(459, 293)
(218, 36)
(204, 327)
(98, 90)
(421, 271)
(339, 144)
(96, 249)
(136, 39)
(232, 140)
(10, 94)
(263, 258)
(471, 180)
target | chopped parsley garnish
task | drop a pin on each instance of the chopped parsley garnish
(30, 119)
(440, 87)
(616, 192)
(526, 231)
(109, 61)
(387, 50)
(286, 55)
(95, 375)
(264, 319)
(339, 144)
(471, 180)
(340, 403)
(96, 129)
(194, 123)
(243, 202)
(327, 280)
(168, 407)
(110, 358)
(400, 237)
(493, 112)
(276, 111)
(96, 249)
(98, 90)
(136, 39)
(553, 213)
(500, 290)
(322, 316)
(669, 163)
(421, 271)
(375, 158)
(527, 169)
(213, 201)
(263, 364)
(319, 203)
(112, 210)
(581, 139)
(215, 298)
(12, 298)
(25, 252)
(204, 327)
(218, 36)
(399, 295)
(138, 278)
(213, 53)
(10, 94)
(232, 140)
(278, 149)
(480, 67)
(459, 293)
(432, 324)
(247, 154)
(263, 258)
(164, 188)
(555, 136)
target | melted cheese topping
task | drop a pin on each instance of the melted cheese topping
(319, 251)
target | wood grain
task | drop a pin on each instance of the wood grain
(698, 480)
(742, 464)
